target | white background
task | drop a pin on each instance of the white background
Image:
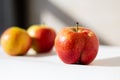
(102, 16)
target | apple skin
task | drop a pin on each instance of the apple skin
(76, 47)
(43, 37)
(15, 41)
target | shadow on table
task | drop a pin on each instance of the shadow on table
(109, 62)
(50, 53)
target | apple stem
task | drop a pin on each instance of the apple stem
(77, 24)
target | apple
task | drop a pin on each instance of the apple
(76, 45)
(43, 37)
(15, 41)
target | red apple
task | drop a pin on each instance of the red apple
(76, 45)
(15, 41)
(43, 37)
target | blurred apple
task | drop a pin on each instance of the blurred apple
(15, 41)
(76, 45)
(43, 37)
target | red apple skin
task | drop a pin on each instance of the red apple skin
(15, 41)
(43, 38)
(79, 47)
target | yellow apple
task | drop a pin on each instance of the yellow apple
(15, 41)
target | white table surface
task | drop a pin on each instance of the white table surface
(106, 66)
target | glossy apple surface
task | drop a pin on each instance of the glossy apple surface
(43, 37)
(15, 41)
(76, 46)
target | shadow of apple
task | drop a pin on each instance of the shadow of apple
(108, 62)
(50, 53)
